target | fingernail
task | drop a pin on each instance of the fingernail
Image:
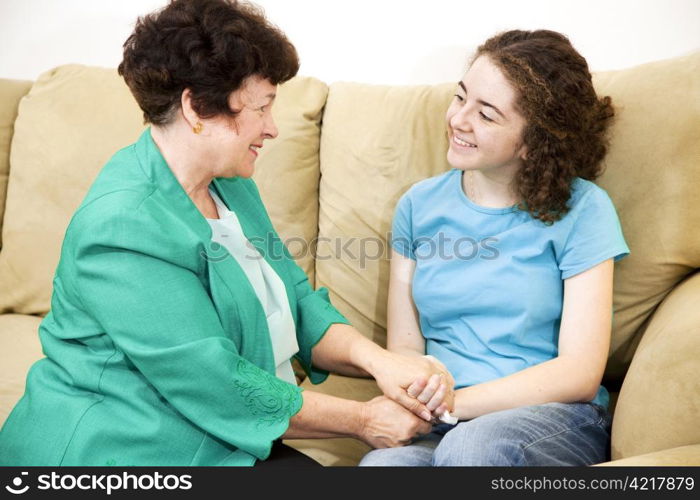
(425, 414)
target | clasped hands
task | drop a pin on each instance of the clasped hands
(417, 391)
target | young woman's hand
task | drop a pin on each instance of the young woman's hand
(386, 424)
(437, 393)
(418, 383)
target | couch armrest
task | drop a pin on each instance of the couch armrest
(681, 456)
(658, 404)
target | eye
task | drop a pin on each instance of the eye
(459, 97)
(484, 117)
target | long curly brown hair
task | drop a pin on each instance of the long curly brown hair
(566, 126)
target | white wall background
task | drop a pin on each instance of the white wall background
(374, 41)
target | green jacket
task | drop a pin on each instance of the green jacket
(157, 348)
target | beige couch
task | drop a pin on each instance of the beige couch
(331, 180)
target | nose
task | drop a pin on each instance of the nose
(460, 119)
(270, 131)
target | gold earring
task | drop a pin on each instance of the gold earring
(197, 128)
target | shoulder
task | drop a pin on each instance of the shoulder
(584, 193)
(130, 221)
(121, 205)
(121, 185)
(587, 199)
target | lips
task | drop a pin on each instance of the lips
(254, 148)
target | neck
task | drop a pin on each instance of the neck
(491, 189)
(184, 160)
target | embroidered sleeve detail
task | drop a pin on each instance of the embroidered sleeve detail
(268, 398)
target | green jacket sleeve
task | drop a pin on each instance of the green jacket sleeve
(129, 274)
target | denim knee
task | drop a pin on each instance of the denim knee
(418, 454)
(468, 445)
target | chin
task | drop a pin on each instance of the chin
(246, 173)
(455, 161)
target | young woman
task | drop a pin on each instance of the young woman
(517, 303)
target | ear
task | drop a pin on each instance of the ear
(522, 152)
(190, 115)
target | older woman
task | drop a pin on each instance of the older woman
(158, 354)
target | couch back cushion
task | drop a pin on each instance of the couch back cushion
(377, 141)
(74, 119)
(653, 173)
(11, 91)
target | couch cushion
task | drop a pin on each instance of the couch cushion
(683, 456)
(662, 387)
(653, 173)
(377, 141)
(20, 348)
(11, 91)
(287, 171)
(73, 120)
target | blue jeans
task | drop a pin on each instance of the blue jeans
(552, 434)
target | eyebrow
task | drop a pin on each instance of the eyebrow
(482, 102)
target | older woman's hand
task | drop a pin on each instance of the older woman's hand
(421, 384)
(386, 424)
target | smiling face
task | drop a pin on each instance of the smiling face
(484, 127)
(233, 142)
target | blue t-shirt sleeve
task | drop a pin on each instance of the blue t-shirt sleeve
(596, 236)
(402, 228)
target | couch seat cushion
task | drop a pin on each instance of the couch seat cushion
(20, 348)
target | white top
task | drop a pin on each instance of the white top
(227, 232)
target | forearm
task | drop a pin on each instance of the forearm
(346, 351)
(560, 379)
(407, 351)
(406, 342)
(324, 416)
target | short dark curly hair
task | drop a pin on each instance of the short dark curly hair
(208, 46)
(565, 134)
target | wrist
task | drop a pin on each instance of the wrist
(367, 356)
(462, 409)
(360, 422)
(407, 351)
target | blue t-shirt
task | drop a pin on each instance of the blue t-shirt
(488, 283)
